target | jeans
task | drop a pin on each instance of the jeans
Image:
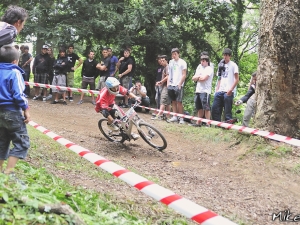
(26, 78)
(222, 100)
(13, 129)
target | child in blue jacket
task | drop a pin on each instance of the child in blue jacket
(12, 103)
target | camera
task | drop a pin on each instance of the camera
(221, 68)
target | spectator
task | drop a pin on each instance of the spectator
(251, 101)
(228, 75)
(21, 53)
(158, 87)
(113, 63)
(106, 100)
(177, 75)
(164, 100)
(26, 59)
(104, 67)
(203, 76)
(51, 73)
(12, 23)
(72, 58)
(141, 92)
(60, 72)
(41, 68)
(88, 74)
(125, 68)
(132, 73)
(12, 103)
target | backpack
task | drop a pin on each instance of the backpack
(8, 33)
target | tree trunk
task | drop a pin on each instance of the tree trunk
(278, 83)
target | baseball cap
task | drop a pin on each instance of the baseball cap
(45, 46)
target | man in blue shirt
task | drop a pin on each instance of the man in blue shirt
(113, 63)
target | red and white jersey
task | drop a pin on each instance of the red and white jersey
(106, 99)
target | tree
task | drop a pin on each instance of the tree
(278, 91)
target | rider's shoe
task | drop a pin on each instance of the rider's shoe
(113, 127)
(135, 136)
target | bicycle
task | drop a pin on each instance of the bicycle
(125, 122)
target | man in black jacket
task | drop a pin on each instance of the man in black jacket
(41, 68)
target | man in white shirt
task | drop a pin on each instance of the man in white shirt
(228, 73)
(177, 75)
(203, 76)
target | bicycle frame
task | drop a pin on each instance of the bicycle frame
(128, 119)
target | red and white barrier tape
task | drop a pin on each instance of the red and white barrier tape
(62, 88)
(181, 205)
(265, 134)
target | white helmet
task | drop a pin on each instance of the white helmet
(110, 83)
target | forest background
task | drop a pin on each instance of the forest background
(151, 28)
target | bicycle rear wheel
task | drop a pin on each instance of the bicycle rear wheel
(152, 136)
(117, 136)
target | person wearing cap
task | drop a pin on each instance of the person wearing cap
(203, 76)
(26, 59)
(228, 78)
(176, 78)
(41, 67)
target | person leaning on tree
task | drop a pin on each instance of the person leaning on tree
(228, 78)
(249, 97)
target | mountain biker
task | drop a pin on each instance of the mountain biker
(106, 100)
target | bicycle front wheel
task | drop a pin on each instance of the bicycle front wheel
(152, 136)
(114, 136)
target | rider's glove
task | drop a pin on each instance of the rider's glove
(239, 102)
(138, 99)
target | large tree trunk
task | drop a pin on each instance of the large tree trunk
(278, 84)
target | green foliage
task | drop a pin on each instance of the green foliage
(45, 189)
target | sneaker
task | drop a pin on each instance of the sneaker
(181, 121)
(49, 97)
(44, 99)
(35, 97)
(70, 99)
(173, 119)
(113, 127)
(93, 102)
(80, 102)
(156, 118)
(135, 136)
(125, 106)
(154, 114)
(67, 97)
(64, 103)
(54, 102)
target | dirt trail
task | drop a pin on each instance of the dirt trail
(215, 175)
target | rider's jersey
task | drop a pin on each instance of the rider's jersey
(106, 99)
